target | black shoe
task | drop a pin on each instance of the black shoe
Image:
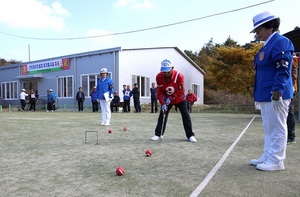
(291, 141)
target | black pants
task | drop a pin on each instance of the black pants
(23, 104)
(153, 105)
(80, 105)
(32, 104)
(114, 107)
(291, 122)
(186, 119)
(126, 106)
(50, 106)
(95, 106)
(137, 105)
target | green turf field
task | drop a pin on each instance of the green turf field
(45, 154)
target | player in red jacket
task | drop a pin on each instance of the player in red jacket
(170, 91)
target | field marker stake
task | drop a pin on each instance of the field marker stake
(213, 171)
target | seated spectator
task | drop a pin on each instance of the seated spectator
(115, 103)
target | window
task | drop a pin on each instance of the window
(65, 87)
(143, 83)
(196, 89)
(88, 81)
(9, 90)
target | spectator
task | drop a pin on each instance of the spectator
(49, 101)
(115, 103)
(95, 104)
(23, 99)
(153, 98)
(33, 99)
(127, 95)
(136, 98)
(80, 99)
(190, 99)
(53, 98)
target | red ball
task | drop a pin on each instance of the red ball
(109, 131)
(148, 153)
(120, 171)
(125, 129)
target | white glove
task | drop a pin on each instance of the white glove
(257, 105)
(278, 105)
(98, 100)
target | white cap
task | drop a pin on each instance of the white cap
(51, 90)
(166, 66)
(23, 90)
(103, 70)
(262, 18)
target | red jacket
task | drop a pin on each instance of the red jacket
(173, 89)
(191, 97)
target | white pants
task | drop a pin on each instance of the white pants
(275, 130)
(105, 110)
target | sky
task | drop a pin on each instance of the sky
(39, 29)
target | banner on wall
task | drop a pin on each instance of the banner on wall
(46, 66)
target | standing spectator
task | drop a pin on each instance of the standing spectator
(153, 98)
(33, 98)
(124, 89)
(136, 98)
(53, 98)
(80, 99)
(273, 89)
(49, 101)
(95, 103)
(104, 96)
(190, 99)
(127, 95)
(115, 103)
(170, 91)
(291, 139)
(23, 99)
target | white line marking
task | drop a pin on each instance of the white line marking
(213, 171)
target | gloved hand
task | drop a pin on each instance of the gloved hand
(168, 101)
(98, 100)
(256, 105)
(164, 107)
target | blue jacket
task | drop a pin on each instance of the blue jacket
(127, 95)
(270, 74)
(93, 96)
(103, 87)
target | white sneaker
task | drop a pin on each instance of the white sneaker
(102, 124)
(106, 124)
(155, 138)
(268, 166)
(192, 139)
(255, 162)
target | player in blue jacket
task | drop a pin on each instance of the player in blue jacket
(104, 96)
(273, 89)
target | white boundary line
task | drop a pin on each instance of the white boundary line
(213, 171)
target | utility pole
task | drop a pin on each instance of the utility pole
(29, 52)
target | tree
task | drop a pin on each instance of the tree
(4, 62)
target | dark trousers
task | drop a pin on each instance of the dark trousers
(153, 105)
(291, 122)
(95, 106)
(50, 106)
(137, 105)
(114, 107)
(23, 104)
(189, 106)
(80, 105)
(32, 104)
(126, 106)
(186, 119)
